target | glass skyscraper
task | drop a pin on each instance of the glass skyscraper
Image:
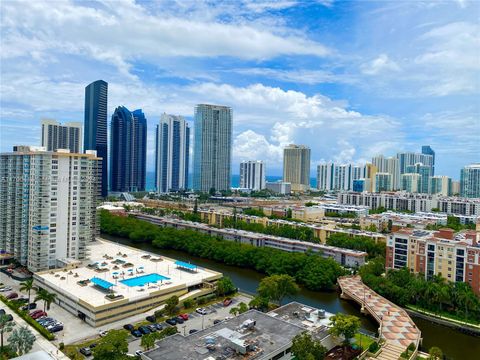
(427, 150)
(172, 153)
(213, 147)
(95, 125)
(470, 181)
(425, 173)
(128, 150)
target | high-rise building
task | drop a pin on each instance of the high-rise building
(410, 182)
(334, 177)
(172, 153)
(441, 185)
(427, 150)
(470, 181)
(95, 125)
(361, 185)
(57, 136)
(425, 173)
(325, 177)
(383, 182)
(388, 165)
(370, 170)
(455, 188)
(213, 146)
(296, 167)
(48, 204)
(128, 150)
(409, 158)
(252, 174)
(279, 187)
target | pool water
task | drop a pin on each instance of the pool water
(144, 279)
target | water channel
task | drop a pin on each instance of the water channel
(454, 344)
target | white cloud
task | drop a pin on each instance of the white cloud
(381, 64)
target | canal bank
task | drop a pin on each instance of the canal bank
(454, 344)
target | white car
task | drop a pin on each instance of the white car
(138, 352)
(6, 288)
(201, 311)
(102, 333)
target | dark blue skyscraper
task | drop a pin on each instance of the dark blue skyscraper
(128, 150)
(95, 126)
(427, 150)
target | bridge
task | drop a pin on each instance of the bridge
(396, 327)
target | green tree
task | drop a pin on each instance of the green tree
(344, 325)
(171, 305)
(242, 307)
(259, 303)
(22, 340)
(277, 287)
(46, 297)
(188, 303)
(114, 345)
(27, 285)
(225, 286)
(6, 326)
(304, 347)
(148, 341)
(435, 353)
(234, 311)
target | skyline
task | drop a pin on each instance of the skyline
(319, 74)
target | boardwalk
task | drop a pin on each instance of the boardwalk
(396, 327)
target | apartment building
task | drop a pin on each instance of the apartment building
(456, 257)
(48, 205)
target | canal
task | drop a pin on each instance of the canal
(454, 344)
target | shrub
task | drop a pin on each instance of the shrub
(188, 303)
(61, 346)
(373, 348)
(158, 314)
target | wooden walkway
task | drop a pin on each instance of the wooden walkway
(396, 327)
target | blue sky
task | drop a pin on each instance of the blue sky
(350, 79)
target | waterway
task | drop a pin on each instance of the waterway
(454, 344)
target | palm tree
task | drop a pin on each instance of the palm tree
(22, 340)
(27, 286)
(5, 326)
(46, 297)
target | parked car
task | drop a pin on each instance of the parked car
(183, 316)
(53, 324)
(192, 331)
(12, 295)
(128, 327)
(138, 352)
(136, 333)
(85, 351)
(151, 318)
(216, 321)
(102, 333)
(21, 300)
(144, 330)
(45, 320)
(201, 311)
(9, 317)
(172, 321)
(158, 326)
(179, 320)
(30, 306)
(56, 328)
(227, 301)
(92, 345)
(152, 328)
(38, 314)
(49, 323)
(6, 288)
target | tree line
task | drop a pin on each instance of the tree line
(362, 243)
(436, 295)
(309, 269)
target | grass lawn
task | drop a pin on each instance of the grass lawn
(363, 340)
(446, 316)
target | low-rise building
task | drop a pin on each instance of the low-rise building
(279, 187)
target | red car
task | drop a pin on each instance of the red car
(183, 316)
(37, 314)
(227, 302)
(12, 295)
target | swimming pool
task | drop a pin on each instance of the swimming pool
(144, 279)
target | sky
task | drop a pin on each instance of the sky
(350, 79)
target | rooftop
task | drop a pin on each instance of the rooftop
(111, 264)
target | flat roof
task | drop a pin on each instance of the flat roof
(185, 265)
(109, 264)
(267, 335)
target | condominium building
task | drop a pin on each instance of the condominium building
(410, 182)
(441, 185)
(279, 187)
(383, 182)
(48, 205)
(334, 177)
(213, 148)
(296, 167)
(427, 150)
(456, 257)
(172, 153)
(470, 181)
(455, 188)
(369, 173)
(128, 152)
(425, 173)
(401, 201)
(252, 174)
(57, 136)
(95, 125)
(409, 158)
(388, 165)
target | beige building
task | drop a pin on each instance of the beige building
(296, 167)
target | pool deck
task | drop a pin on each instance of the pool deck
(67, 280)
